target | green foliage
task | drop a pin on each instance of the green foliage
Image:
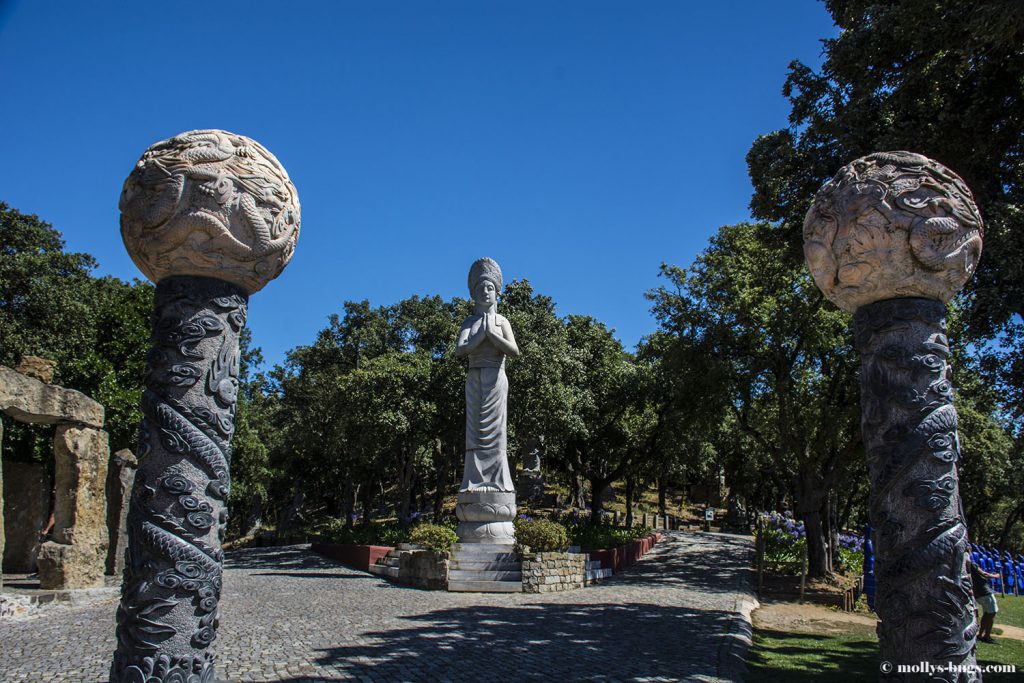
(335, 531)
(541, 535)
(97, 329)
(433, 537)
(589, 536)
(783, 368)
(782, 551)
(945, 79)
(850, 561)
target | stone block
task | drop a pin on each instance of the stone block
(80, 514)
(70, 566)
(39, 368)
(26, 503)
(28, 400)
(120, 478)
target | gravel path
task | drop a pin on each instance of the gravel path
(681, 613)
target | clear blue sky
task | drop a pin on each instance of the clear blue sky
(578, 143)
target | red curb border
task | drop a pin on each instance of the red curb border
(360, 557)
(619, 558)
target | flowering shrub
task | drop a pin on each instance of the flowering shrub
(851, 542)
(785, 538)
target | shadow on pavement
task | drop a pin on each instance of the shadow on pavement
(287, 558)
(714, 569)
(541, 642)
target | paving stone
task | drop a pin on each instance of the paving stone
(290, 615)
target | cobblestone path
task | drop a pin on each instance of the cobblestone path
(681, 613)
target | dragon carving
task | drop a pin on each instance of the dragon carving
(210, 203)
(892, 225)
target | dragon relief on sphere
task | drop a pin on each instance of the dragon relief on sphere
(211, 203)
(892, 225)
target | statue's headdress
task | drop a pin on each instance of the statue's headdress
(484, 269)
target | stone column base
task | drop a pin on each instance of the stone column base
(486, 517)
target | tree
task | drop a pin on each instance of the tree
(44, 293)
(939, 77)
(786, 361)
(944, 79)
(97, 329)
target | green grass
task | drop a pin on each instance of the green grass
(1011, 611)
(779, 656)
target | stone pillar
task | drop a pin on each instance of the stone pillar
(891, 238)
(210, 217)
(120, 478)
(76, 556)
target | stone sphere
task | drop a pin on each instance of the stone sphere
(213, 204)
(891, 225)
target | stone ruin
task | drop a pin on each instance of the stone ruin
(77, 554)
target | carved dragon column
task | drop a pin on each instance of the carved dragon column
(891, 238)
(210, 217)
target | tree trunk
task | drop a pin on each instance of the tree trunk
(576, 480)
(1011, 520)
(817, 559)
(440, 479)
(597, 487)
(405, 478)
(347, 502)
(630, 488)
(353, 500)
(662, 493)
(368, 496)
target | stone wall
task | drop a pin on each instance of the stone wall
(423, 569)
(550, 572)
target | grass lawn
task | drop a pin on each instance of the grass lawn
(780, 656)
(1011, 611)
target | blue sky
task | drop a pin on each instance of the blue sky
(580, 144)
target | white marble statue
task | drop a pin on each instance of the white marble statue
(486, 338)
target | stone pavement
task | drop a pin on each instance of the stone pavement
(681, 613)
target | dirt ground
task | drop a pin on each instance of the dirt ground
(809, 618)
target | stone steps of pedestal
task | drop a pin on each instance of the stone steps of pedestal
(506, 558)
(598, 574)
(484, 575)
(406, 546)
(384, 570)
(485, 565)
(483, 547)
(485, 586)
(593, 565)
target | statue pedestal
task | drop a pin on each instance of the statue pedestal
(486, 517)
